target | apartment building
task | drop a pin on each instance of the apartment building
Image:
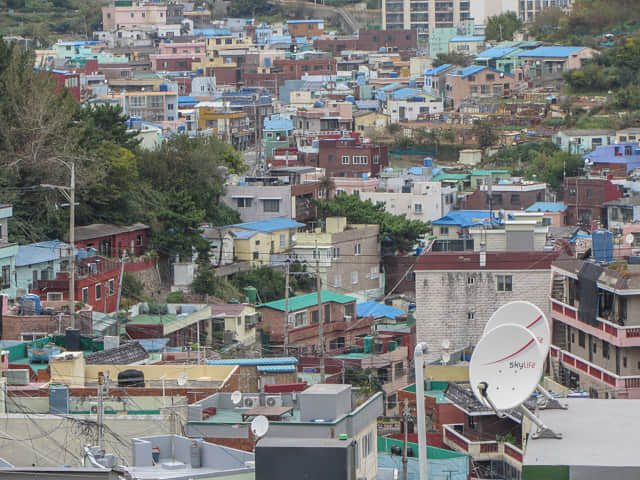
(348, 257)
(595, 311)
(147, 106)
(422, 15)
(529, 9)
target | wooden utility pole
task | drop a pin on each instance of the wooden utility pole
(320, 311)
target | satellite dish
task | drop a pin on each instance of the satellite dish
(446, 357)
(260, 426)
(508, 362)
(446, 344)
(629, 239)
(525, 314)
(236, 397)
(182, 379)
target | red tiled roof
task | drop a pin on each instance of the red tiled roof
(495, 261)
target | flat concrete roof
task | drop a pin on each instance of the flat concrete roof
(589, 429)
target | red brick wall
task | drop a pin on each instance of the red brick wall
(439, 414)
(13, 326)
(331, 152)
(119, 242)
(480, 200)
(310, 29)
(400, 39)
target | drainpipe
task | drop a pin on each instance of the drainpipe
(418, 360)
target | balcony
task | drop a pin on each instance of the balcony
(617, 335)
(625, 386)
(482, 450)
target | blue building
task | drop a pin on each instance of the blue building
(8, 253)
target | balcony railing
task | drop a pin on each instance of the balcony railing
(617, 335)
(623, 384)
(482, 450)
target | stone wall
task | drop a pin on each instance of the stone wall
(456, 305)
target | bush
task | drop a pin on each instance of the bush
(176, 297)
(131, 287)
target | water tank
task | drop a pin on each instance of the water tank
(393, 74)
(368, 345)
(412, 83)
(252, 294)
(30, 304)
(73, 340)
(396, 450)
(131, 378)
(164, 87)
(602, 245)
(350, 99)
(392, 345)
(58, 399)
(427, 162)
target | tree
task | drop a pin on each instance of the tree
(502, 27)
(249, 8)
(269, 282)
(459, 59)
(485, 132)
(178, 229)
(105, 123)
(327, 187)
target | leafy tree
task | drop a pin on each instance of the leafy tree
(485, 132)
(363, 379)
(269, 282)
(459, 59)
(249, 8)
(502, 27)
(394, 128)
(396, 231)
(132, 287)
(105, 123)
(178, 229)
(549, 168)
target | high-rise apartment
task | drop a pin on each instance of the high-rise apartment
(424, 15)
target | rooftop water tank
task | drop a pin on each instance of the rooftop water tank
(602, 245)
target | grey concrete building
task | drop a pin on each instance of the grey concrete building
(259, 201)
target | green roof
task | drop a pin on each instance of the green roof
(485, 173)
(433, 453)
(305, 301)
(353, 356)
(436, 391)
(449, 176)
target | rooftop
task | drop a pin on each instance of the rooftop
(435, 71)
(496, 52)
(588, 443)
(547, 207)
(551, 52)
(127, 353)
(267, 226)
(376, 310)
(255, 361)
(305, 301)
(467, 38)
(98, 230)
(464, 218)
(509, 261)
(41, 252)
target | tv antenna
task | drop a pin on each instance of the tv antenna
(505, 368)
(529, 316)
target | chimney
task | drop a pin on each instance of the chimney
(483, 259)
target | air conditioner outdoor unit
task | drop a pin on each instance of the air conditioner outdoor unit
(273, 401)
(251, 401)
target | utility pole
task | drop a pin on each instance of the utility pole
(286, 309)
(100, 406)
(320, 319)
(124, 257)
(405, 423)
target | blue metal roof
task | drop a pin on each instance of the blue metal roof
(266, 226)
(276, 368)
(415, 170)
(464, 218)
(553, 52)
(40, 252)
(547, 207)
(404, 93)
(376, 310)
(435, 71)
(472, 70)
(244, 235)
(278, 124)
(467, 38)
(255, 361)
(305, 21)
(187, 100)
(212, 32)
(153, 344)
(496, 52)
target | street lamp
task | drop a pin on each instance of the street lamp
(70, 194)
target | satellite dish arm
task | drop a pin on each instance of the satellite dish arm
(418, 359)
(550, 402)
(483, 387)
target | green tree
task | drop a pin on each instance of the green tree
(459, 59)
(178, 228)
(269, 282)
(249, 8)
(105, 123)
(485, 133)
(502, 27)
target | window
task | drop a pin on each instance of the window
(360, 159)
(52, 296)
(6, 276)
(399, 370)
(300, 319)
(256, 255)
(505, 283)
(85, 295)
(444, 230)
(335, 252)
(572, 192)
(337, 281)
(345, 160)
(243, 202)
(624, 362)
(283, 240)
(112, 287)
(392, 401)
(627, 150)
(581, 339)
(139, 240)
(358, 249)
(417, 208)
(375, 273)
(515, 199)
(605, 349)
(470, 280)
(376, 159)
(595, 347)
(367, 445)
(490, 77)
(471, 315)
(315, 316)
(271, 205)
(98, 291)
(354, 278)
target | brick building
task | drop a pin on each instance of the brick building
(516, 196)
(305, 28)
(348, 157)
(457, 292)
(394, 39)
(111, 240)
(584, 198)
(340, 324)
(475, 82)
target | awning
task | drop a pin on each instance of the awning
(243, 196)
(270, 198)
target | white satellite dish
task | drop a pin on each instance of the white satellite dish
(525, 314)
(182, 379)
(236, 397)
(260, 426)
(629, 239)
(506, 366)
(446, 344)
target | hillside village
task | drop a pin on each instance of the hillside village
(254, 240)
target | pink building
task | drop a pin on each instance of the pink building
(192, 48)
(114, 18)
(350, 185)
(477, 82)
(176, 62)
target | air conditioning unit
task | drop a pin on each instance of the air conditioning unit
(17, 377)
(273, 401)
(347, 318)
(251, 401)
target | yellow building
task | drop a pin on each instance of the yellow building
(237, 318)
(368, 122)
(255, 242)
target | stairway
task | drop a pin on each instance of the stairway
(557, 288)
